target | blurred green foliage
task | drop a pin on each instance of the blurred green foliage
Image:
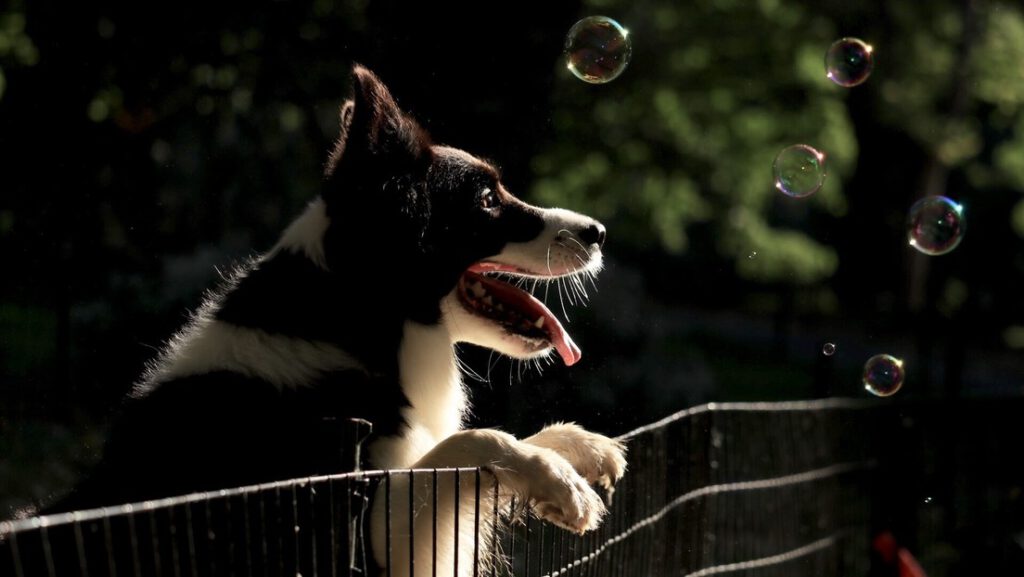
(16, 48)
(686, 136)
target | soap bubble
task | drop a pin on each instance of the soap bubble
(935, 225)
(828, 349)
(883, 375)
(799, 170)
(849, 62)
(597, 49)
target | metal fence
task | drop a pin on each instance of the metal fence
(744, 489)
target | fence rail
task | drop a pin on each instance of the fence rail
(740, 489)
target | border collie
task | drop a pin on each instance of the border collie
(411, 248)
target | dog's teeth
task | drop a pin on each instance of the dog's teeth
(478, 289)
(488, 300)
(539, 323)
(500, 307)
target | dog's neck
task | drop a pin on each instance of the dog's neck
(432, 383)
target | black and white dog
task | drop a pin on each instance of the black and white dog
(411, 248)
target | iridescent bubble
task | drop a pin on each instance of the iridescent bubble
(935, 225)
(828, 349)
(799, 170)
(883, 375)
(597, 49)
(849, 62)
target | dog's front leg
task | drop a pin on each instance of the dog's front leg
(529, 473)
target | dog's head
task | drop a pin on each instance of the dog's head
(433, 228)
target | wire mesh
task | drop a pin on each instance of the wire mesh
(741, 489)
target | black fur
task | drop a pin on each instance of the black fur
(406, 221)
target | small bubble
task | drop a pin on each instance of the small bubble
(883, 375)
(597, 49)
(752, 255)
(935, 225)
(927, 499)
(849, 62)
(828, 349)
(799, 170)
(296, 528)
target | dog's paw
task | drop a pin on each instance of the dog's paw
(597, 458)
(560, 495)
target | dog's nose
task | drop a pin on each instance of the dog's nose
(593, 234)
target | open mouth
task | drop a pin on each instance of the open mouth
(514, 309)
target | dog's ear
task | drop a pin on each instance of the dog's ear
(374, 130)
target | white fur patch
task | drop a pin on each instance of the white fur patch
(432, 383)
(305, 235)
(208, 345)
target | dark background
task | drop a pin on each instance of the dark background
(142, 147)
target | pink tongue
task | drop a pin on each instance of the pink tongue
(563, 342)
(533, 308)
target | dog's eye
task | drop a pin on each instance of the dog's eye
(488, 198)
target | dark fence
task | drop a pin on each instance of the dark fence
(784, 489)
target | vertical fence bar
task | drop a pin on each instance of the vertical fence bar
(191, 538)
(264, 549)
(312, 528)
(279, 508)
(297, 528)
(175, 543)
(154, 538)
(476, 524)
(83, 564)
(211, 536)
(19, 571)
(495, 535)
(331, 531)
(526, 538)
(434, 534)
(134, 540)
(247, 534)
(541, 548)
(455, 556)
(229, 534)
(387, 521)
(44, 535)
(350, 531)
(412, 524)
(511, 528)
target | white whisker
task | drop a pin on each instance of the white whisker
(490, 365)
(583, 289)
(562, 302)
(469, 371)
(568, 293)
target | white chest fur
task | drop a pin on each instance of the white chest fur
(433, 385)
